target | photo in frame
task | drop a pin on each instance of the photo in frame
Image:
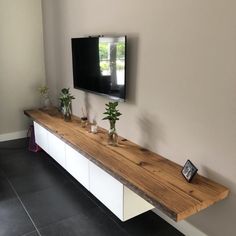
(189, 171)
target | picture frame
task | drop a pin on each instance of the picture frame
(189, 170)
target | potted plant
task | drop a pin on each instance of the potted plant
(112, 114)
(66, 102)
(43, 91)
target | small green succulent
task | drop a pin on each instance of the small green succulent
(112, 113)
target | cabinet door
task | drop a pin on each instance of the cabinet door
(78, 166)
(56, 149)
(41, 136)
(107, 189)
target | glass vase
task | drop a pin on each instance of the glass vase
(45, 102)
(112, 135)
(66, 111)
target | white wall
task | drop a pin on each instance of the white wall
(21, 62)
(181, 81)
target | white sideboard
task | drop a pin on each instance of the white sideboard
(123, 202)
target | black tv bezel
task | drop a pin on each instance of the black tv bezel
(125, 70)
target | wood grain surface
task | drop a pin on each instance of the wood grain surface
(153, 177)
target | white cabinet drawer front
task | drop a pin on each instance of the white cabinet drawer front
(41, 136)
(78, 166)
(57, 149)
(107, 189)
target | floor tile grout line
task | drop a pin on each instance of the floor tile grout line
(18, 197)
(57, 222)
(27, 234)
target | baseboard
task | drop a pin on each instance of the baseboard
(183, 226)
(13, 135)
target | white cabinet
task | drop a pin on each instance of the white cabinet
(57, 149)
(78, 166)
(107, 189)
(41, 136)
(123, 202)
(50, 144)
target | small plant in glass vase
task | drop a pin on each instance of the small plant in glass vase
(45, 101)
(66, 103)
(112, 114)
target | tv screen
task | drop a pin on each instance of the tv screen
(99, 65)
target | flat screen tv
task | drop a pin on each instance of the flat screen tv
(99, 65)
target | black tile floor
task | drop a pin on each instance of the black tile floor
(38, 197)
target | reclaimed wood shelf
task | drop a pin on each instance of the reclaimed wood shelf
(153, 177)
